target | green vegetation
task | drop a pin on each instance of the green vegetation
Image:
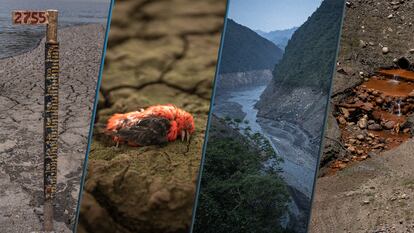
(245, 50)
(310, 56)
(238, 120)
(237, 194)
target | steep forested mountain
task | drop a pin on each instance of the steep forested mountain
(245, 50)
(301, 80)
(311, 53)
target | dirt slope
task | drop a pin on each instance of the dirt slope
(374, 195)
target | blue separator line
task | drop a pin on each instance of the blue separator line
(95, 105)
(200, 173)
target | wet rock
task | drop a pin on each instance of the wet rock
(363, 122)
(379, 100)
(352, 149)
(345, 112)
(342, 120)
(385, 50)
(378, 146)
(389, 124)
(360, 137)
(367, 106)
(403, 63)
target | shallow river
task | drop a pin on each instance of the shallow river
(289, 141)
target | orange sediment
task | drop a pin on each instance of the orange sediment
(389, 87)
(404, 74)
(372, 118)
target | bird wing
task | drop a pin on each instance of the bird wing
(151, 130)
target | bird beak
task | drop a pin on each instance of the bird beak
(187, 136)
(183, 135)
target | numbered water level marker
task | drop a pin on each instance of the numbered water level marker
(51, 103)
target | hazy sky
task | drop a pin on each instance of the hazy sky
(268, 15)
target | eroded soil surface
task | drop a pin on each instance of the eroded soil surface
(372, 191)
(21, 134)
(160, 52)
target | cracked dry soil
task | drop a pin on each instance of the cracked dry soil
(159, 52)
(21, 123)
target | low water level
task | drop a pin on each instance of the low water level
(289, 141)
(17, 39)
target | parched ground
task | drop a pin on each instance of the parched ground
(159, 52)
(21, 134)
(375, 195)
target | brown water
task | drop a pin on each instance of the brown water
(390, 87)
(404, 74)
(384, 101)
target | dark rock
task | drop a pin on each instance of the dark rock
(403, 63)
(389, 124)
(376, 127)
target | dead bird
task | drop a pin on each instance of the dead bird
(155, 125)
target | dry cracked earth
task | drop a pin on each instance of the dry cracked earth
(159, 52)
(21, 123)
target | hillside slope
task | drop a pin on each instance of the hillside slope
(300, 83)
(245, 50)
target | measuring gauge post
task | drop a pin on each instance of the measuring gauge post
(49, 18)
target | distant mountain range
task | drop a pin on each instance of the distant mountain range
(279, 37)
(245, 50)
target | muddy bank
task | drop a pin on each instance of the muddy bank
(21, 146)
(166, 55)
(240, 80)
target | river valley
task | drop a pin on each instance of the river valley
(289, 140)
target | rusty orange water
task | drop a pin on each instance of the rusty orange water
(404, 74)
(387, 116)
(394, 139)
(390, 87)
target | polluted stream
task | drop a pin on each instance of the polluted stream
(374, 116)
(289, 141)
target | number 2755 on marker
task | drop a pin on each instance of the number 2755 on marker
(29, 17)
